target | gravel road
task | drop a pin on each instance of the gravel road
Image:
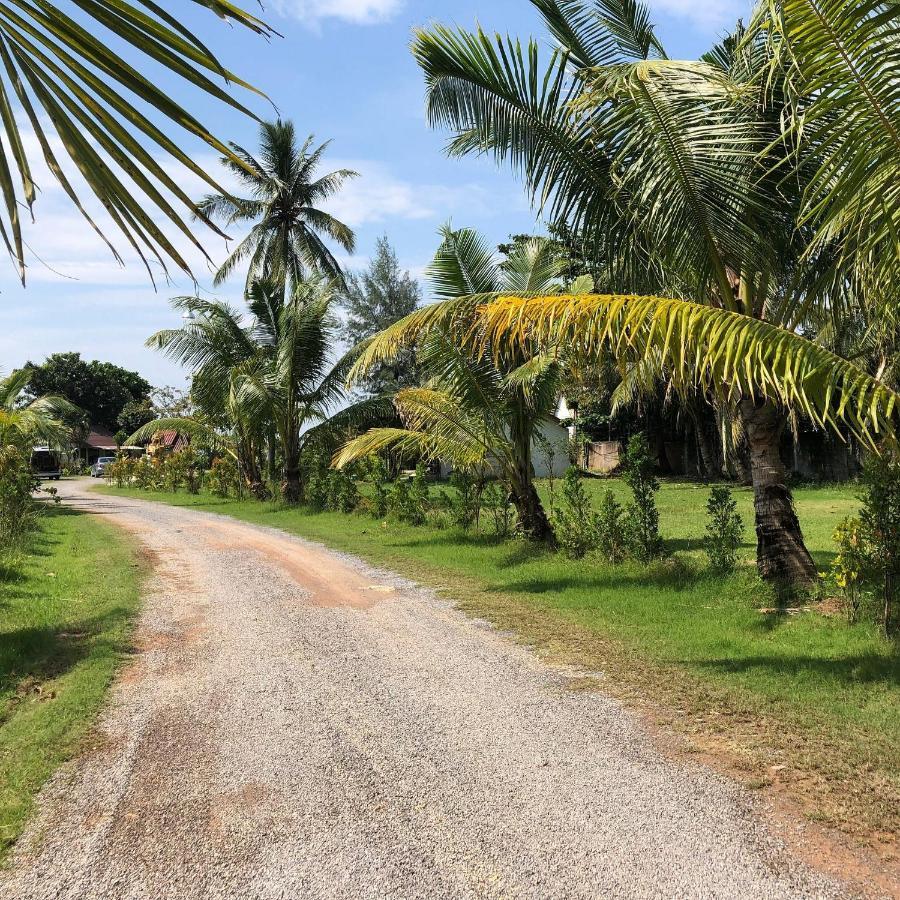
(295, 724)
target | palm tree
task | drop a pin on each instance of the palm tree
(67, 81)
(271, 374)
(680, 167)
(218, 345)
(23, 422)
(285, 242)
(299, 382)
(481, 407)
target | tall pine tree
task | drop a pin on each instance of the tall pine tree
(374, 300)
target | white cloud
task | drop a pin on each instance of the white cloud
(358, 12)
(709, 15)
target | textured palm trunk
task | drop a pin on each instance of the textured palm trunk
(781, 554)
(532, 518)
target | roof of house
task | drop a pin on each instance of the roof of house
(100, 440)
(166, 438)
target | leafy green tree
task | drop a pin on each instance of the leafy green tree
(63, 74)
(374, 300)
(282, 206)
(101, 390)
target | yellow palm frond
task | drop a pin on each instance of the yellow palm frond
(714, 349)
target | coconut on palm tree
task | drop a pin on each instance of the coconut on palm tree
(282, 199)
(681, 168)
(481, 407)
(60, 80)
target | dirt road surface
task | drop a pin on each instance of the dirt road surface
(294, 724)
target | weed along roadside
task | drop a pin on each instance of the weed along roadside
(794, 701)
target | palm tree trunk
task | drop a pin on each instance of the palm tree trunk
(781, 554)
(532, 518)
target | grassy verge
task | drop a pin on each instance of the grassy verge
(65, 620)
(803, 704)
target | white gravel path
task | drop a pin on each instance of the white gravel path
(298, 725)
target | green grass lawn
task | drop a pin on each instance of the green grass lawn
(805, 691)
(65, 621)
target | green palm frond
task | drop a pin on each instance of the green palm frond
(532, 266)
(415, 443)
(499, 98)
(66, 79)
(600, 32)
(716, 350)
(842, 60)
(195, 428)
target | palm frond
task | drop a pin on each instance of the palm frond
(717, 350)
(67, 79)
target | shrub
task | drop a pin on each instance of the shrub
(379, 502)
(465, 503)
(317, 483)
(610, 537)
(343, 495)
(18, 511)
(409, 500)
(641, 519)
(121, 472)
(880, 528)
(495, 499)
(574, 521)
(224, 479)
(724, 530)
(848, 568)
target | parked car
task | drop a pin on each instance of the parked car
(99, 468)
(45, 463)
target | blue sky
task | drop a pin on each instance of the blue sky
(343, 71)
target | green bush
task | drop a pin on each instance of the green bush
(724, 530)
(574, 521)
(880, 527)
(641, 519)
(224, 479)
(610, 530)
(495, 499)
(343, 495)
(848, 568)
(465, 502)
(18, 511)
(409, 500)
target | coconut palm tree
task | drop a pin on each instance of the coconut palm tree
(288, 233)
(271, 373)
(480, 407)
(67, 85)
(682, 168)
(24, 422)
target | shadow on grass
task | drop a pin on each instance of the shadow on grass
(861, 668)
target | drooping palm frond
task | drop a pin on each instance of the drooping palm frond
(67, 79)
(48, 419)
(717, 350)
(499, 98)
(842, 59)
(600, 32)
(196, 428)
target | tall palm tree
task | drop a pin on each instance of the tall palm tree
(287, 239)
(60, 77)
(23, 422)
(480, 406)
(682, 169)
